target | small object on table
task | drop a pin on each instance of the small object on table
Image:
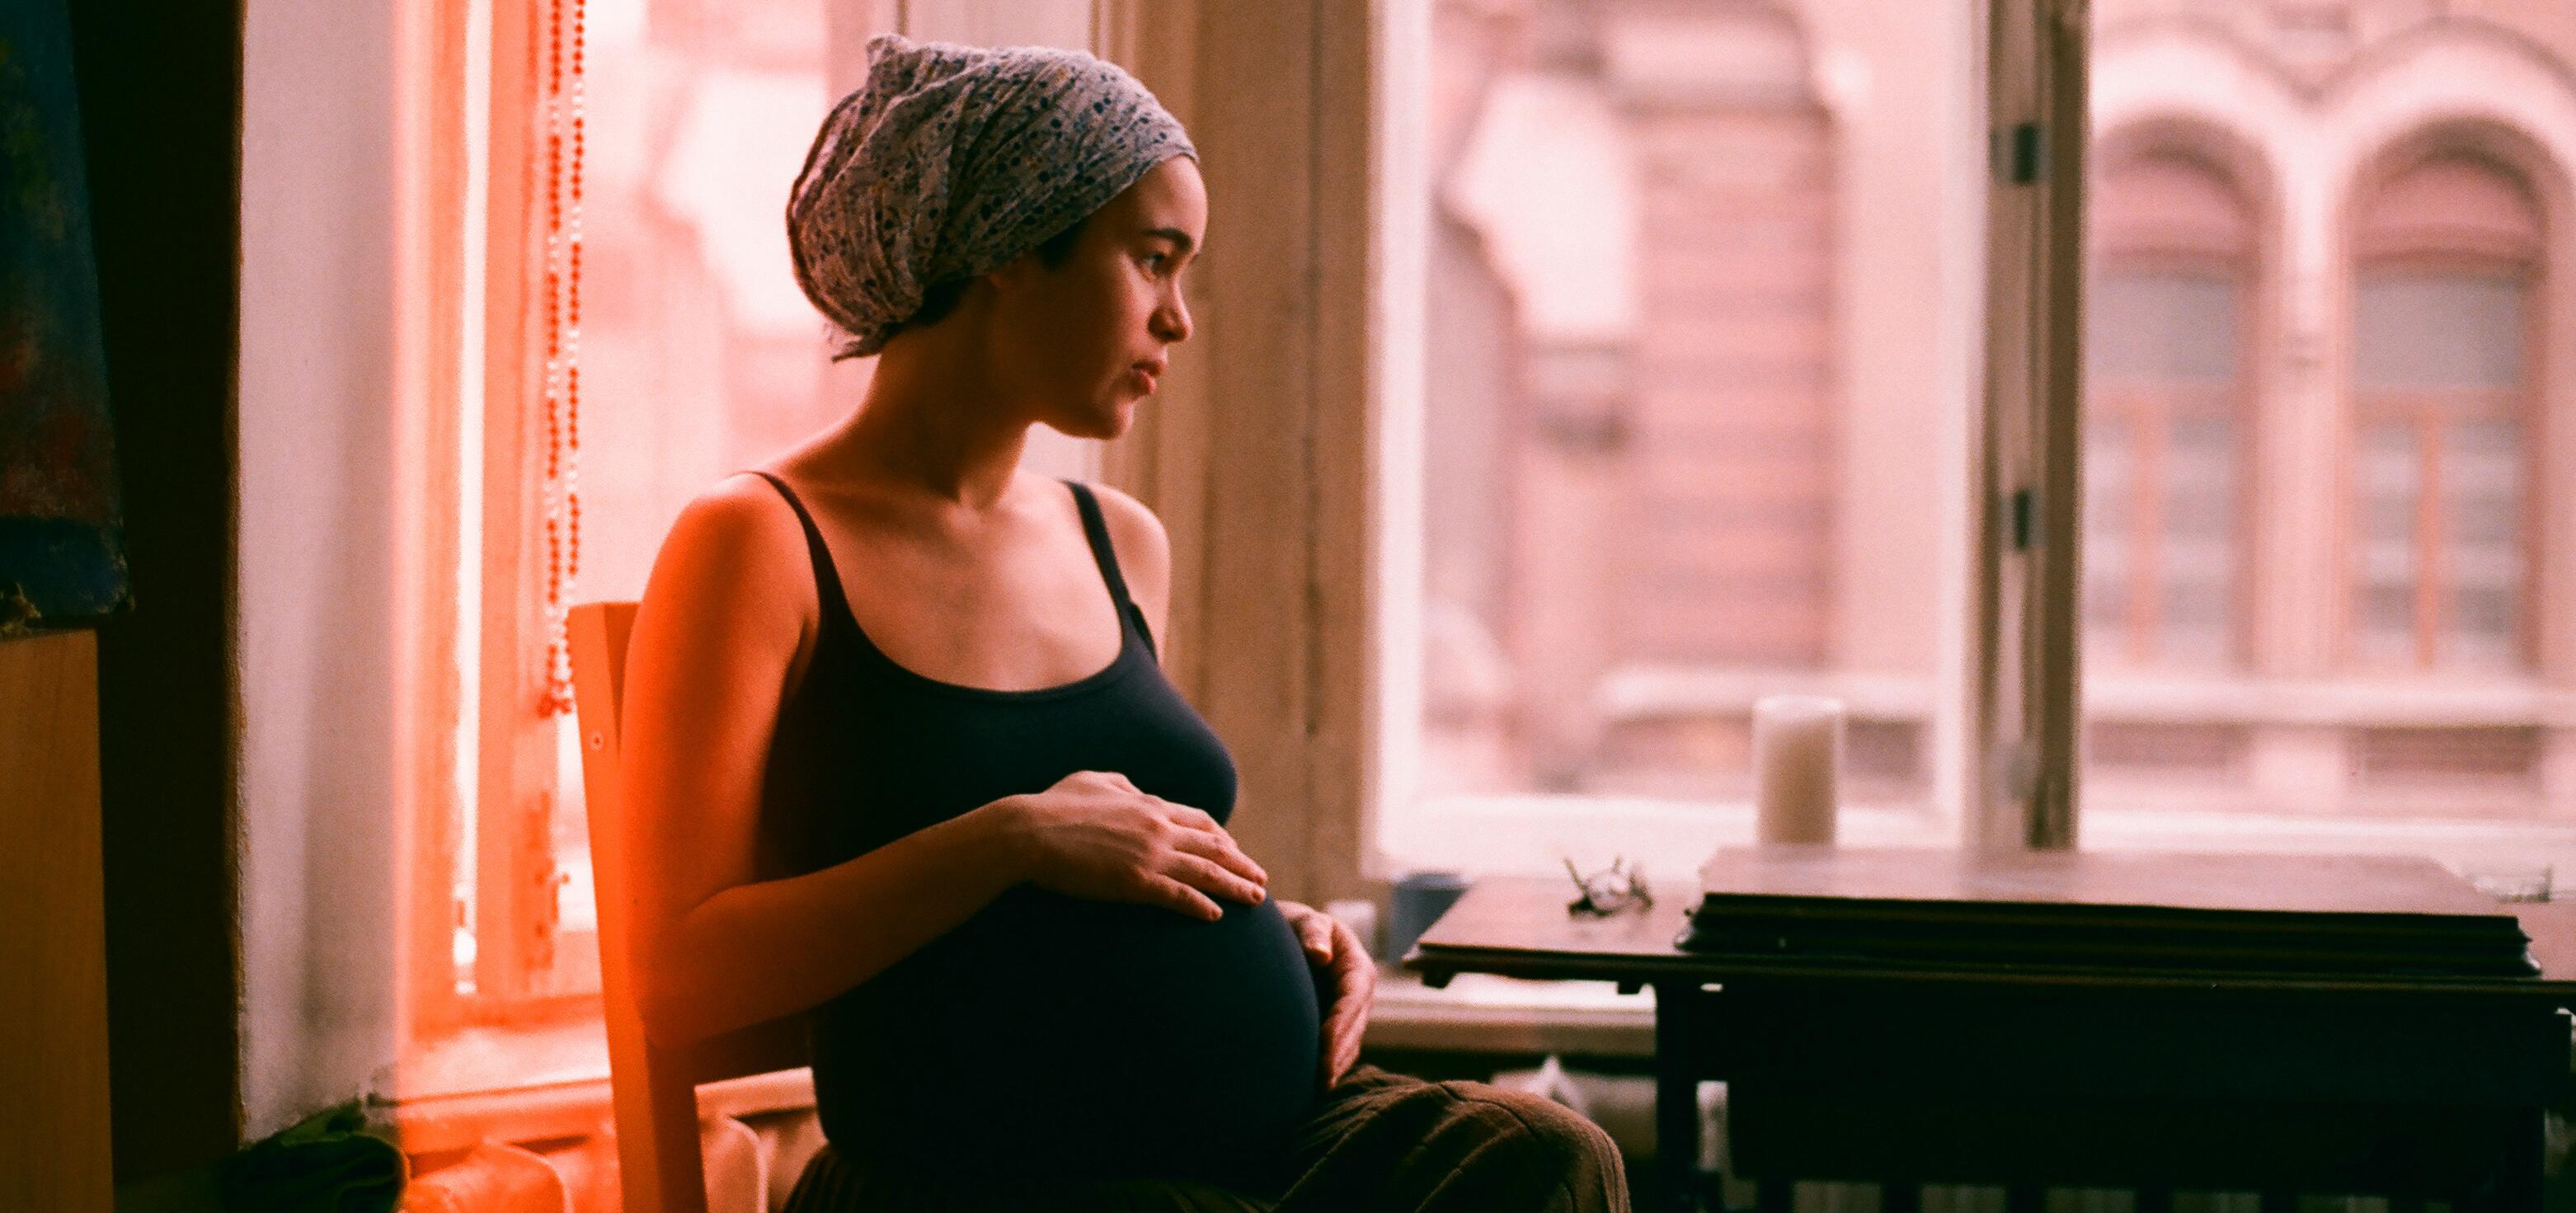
(1608, 891)
(1797, 753)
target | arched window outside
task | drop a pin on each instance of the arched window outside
(2446, 259)
(2166, 437)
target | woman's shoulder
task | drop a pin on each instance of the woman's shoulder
(743, 512)
(1144, 551)
(1129, 519)
(737, 540)
(1135, 531)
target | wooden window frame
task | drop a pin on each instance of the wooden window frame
(532, 1014)
(455, 200)
(1311, 529)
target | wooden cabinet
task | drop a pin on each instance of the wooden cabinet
(53, 948)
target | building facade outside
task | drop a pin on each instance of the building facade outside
(1691, 390)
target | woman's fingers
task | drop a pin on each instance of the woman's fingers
(1354, 993)
(1220, 848)
(1314, 931)
(1186, 816)
(1201, 872)
(1342, 1032)
(1172, 894)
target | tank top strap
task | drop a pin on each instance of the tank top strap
(1097, 528)
(827, 579)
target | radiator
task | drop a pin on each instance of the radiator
(1623, 1105)
(751, 1162)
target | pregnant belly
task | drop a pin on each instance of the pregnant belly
(1059, 1036)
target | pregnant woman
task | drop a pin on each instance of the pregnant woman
(903, 756)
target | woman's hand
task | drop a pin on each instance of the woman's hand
(1095, 836)
(1335, 949)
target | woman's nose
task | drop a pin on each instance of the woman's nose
(1172, 320)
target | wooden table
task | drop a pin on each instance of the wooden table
(2027, 1077)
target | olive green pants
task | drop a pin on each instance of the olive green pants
(1377, 1143)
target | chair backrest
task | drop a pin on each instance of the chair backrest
(654, 1088)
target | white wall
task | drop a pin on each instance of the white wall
(317, 843)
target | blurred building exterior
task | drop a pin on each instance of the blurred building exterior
(1687, 401)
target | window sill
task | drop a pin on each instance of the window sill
(485, 1060)
(2500, 700)
(1483, 1013)
(545, 1084)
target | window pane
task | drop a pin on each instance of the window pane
(2202, 544)
(1684, 402)
(2390, 480)
(2162, 370)
(2108, 487)
(2429, 330)
(698, 354)
(2481, 499)
(2162, 327)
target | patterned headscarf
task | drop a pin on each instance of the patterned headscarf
(952, 160)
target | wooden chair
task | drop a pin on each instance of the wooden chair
(654, 1088)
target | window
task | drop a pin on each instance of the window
(696, 356)
(2165, 431)
(1698, 295)
(1680, 395)
(2442, 335)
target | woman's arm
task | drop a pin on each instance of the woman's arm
(724, 620)
(723, 626)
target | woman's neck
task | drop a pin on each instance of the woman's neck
(932, 423)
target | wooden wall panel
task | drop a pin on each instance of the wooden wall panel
(1256, 334)
(1257, 455)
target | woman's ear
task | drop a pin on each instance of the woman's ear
(1015, 275)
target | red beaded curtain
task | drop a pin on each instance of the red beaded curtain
(562, 118)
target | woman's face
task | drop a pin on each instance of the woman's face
(1087, 340)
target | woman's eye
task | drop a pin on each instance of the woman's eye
(1156, 261)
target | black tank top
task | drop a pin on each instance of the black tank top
(1047, 1035)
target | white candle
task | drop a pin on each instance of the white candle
(1797, 750)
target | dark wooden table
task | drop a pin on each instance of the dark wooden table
(2029, 1077)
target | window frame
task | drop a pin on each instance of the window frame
(468, 689)
(2028, 618)
(1307, 530)
(1502, 833)
(476, 755)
